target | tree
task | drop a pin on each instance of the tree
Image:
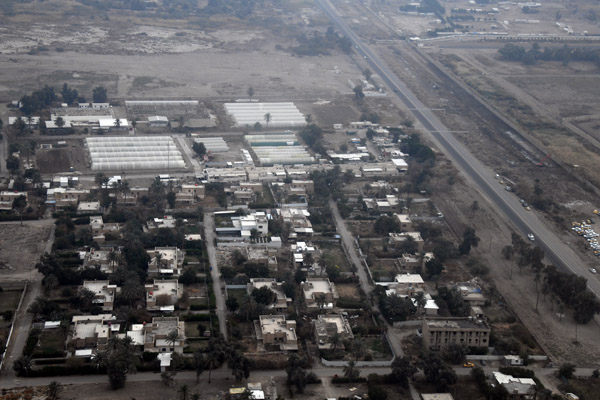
(402, 370)
(118, 359)
(68, 94)
(507, 252)
(199, 364)
(99, 95)
(367, 73)
(350, 371)
(456, 353)
(53, 391)
(183, 391)
(470, 239)
(358, 93)
(60, 122)
(117, 123)
(19, 205)
(199, 149)
(239, 365)
(420, 299)
(566, 371)
(23, 365)
(171, 198)
(585, 306)
(132, 291)
(268, 119)
(377, 392)
(385, 224)
(12, 164)
(232, 304)
(296, 374)
(264, 296)
(437, 371)
(250, 92)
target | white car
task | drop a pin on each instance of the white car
(593, 270)
(531, 237)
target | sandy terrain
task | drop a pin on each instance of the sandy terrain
(21, 247)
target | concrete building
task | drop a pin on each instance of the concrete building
(405, 222)
(328, 325)
(165, 262)
(244, 225)
(104, 293)
(63, 197)
(156, 335)
(88, 207)
(298, 218)
(100, 229)
(306, 186)
(275, 330)
(189, 193)
(398, 239)
(319, 293)
(471, 293)
(93, 331)
(282, 302)
(100, 259)
(7, 198)
(157, 223)
(266, 174)
(439, 333)
(162, 295)
(231, 175)
(517, 388)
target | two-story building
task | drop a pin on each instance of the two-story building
(319, 293)
(329, 325)
(275, 330)
(164, 335)
(165, 262)
(104, 293)
(282, 302)
(7, 198)
(93, 331)
(162, 295)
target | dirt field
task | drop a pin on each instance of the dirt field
(22, 247)
(60, 160)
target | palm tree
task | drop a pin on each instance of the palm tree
(53, 390)
(335, 340)
(321, 300)
(350, 371)
(117, 123)
(250, 92)
(184, 391)
(172, 337)
(113, 258)
(268, 119)
(212, 361)
(199, 364)
(421, 300)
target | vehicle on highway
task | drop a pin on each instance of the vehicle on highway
(508, 189)
(593, 270)
(531, 237)
(468, 365)
(528, 208)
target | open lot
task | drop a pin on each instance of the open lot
(22, 247)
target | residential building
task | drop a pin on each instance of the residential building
(165, 262)
(246, 224)
(409, 284)
(101, 259)
(399, 239)
(162, 295)
(379, 169)
(104, 293)
(62, 197)
(190, 193)
(93, 331)
(88, 207)
(266, 174)
(319, 293)
(157, 223)
(517, 388)
(305, 186)
(471, 293)
(100, 229)
(7, 198)
(298, 218)
(440, 333)
(263, 256)
(156, 335)
(410, 262)
(405, 222)
(275, 330)
(328, 325)
(282, 302)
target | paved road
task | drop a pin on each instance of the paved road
(189, 153)
(23, 320)
(484, 180)
(218, 285)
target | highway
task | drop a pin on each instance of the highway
(525, 221)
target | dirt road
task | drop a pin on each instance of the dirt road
(218, 284)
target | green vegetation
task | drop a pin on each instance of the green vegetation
(564, 54)
(317, 44)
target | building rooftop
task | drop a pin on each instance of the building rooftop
(456, 323)
(409, 279)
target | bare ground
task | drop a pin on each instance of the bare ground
(21, 247)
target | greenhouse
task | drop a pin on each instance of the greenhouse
(270, 155)
(213, 144)
(284, 139)
(281, 114)
(131, 153)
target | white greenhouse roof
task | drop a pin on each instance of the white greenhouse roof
(213, 144)
(284, 114)
(132, 153)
